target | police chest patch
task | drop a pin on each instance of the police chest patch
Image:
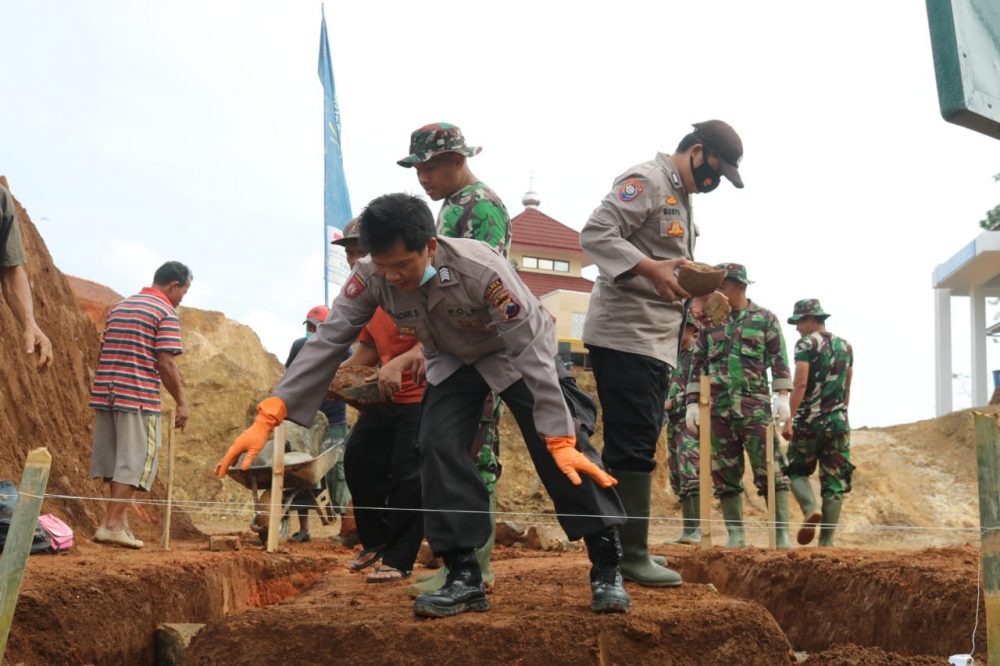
(354, 286)
(471, 324)
(671, 200)
(410, 331)
(674, 229)
(629, 190)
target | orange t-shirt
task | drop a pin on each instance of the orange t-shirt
(389, 343)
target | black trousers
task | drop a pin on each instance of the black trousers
(382, 467)
(455, 498)
(632, 388)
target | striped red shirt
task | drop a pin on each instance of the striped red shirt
(134, 332)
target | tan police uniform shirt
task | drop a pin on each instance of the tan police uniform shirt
(646, 214)
(474, 311)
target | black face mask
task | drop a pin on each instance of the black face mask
(706, 178)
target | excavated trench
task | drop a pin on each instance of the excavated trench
(738, 607)
(103, 607)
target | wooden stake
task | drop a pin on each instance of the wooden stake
(167, 419)
(772, 512)
(277, 489)
(988, 461)
(705, 460)
(20, 536)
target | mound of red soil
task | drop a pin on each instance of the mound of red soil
(540, 615)
(94, 298)
(50, 409)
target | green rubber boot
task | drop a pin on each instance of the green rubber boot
(803, 492)
(781, 518)
(831, 516)
(732, 511)
(633, 489)
(691, 513)
(428, 583)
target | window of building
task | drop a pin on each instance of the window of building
(557, 265)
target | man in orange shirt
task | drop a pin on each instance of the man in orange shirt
(381, 461)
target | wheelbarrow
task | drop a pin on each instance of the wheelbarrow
(304, 485)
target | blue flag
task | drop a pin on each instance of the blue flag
(336, 201)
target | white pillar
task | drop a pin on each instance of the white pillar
(942, 351)
(977, 331)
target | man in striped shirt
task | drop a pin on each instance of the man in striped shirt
(142, 334)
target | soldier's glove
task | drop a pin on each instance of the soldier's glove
(692, 417)
(270, 413)
(570, 462)
(782, 408)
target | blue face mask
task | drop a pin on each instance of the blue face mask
(309, 334)
(429, 272)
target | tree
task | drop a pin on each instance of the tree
(992, 221)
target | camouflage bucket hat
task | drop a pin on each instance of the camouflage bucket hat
(807, 307)
(351, 233)
(434, 139)
(736, 272)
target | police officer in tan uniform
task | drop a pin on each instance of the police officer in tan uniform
(481, 330)
(638, 236)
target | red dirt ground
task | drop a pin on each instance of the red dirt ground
(303, 606)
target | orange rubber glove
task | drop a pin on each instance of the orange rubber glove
(270, 413)
(570, 462)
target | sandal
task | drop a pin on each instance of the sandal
(386, 574)
(301, 537)
(366, 558)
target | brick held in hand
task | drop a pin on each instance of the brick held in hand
(349, 385)
(699, 279)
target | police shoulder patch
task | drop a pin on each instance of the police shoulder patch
(629, 190)
(354, 286)
(444, 274)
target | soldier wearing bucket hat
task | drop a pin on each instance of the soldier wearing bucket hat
(820, 432)
(736, 356)
(638, 235)
(438, 153)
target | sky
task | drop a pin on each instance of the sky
(137, 132)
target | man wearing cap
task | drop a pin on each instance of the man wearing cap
(821, 391)
(736, 357)
(683, 457)
(638, 236)
(480, 329)
(336, 430)
(438, 154)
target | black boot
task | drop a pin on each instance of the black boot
(608, 592)
(463, 589)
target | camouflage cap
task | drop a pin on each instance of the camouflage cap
(351, 233)
(434, 139)
(807, 307)
(736, 272)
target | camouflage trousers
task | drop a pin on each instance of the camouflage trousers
(730, 438)
(683, 459)
(832, 450)
(336, 481)
(486, 445)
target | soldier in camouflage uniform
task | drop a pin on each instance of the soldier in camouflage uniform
(821, 391)
(736, 357)
(682, 447)
(438, 153)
